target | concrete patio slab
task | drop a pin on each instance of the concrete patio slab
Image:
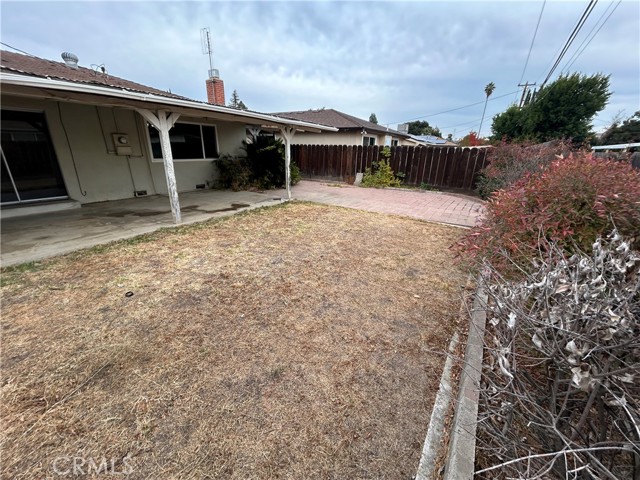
(440, 207)
(38, 236)
(35, 237)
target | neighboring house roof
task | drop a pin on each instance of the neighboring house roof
(433, 140)
(29, 71)
(339, 120)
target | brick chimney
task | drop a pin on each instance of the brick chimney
(215, 91)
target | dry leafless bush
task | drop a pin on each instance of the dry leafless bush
(560, 395)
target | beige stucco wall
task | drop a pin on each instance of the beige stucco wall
(328, 138)
(101, 174)
(340, 138)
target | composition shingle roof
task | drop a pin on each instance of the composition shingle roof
(40, 67)
(340, 120)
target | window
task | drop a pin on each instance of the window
(394, 143)
(366, 141)
(189, 141)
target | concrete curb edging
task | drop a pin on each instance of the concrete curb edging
(438, 414)
(462, 444)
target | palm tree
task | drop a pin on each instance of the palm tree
(488, 90)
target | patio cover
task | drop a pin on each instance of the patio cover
(161, 111)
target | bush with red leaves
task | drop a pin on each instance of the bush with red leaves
(571, 202)
(509, 162)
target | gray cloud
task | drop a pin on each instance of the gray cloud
(399, 60)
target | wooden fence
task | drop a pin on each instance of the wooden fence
(449, 167)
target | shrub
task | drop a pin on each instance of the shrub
(233, 172)
(262, 168)
(561, 367)
(380, 174)
(508, 162)
(572, 202)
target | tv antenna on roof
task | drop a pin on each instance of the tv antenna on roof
(205, 38)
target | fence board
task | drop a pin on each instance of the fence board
(437, 159)
(422, 161)
(366, 157)
(467, 181)
(394, 161)
(456, 159)
(408, 167)
(332, 161)
(349, 164)
(375, 154)
(428, 164)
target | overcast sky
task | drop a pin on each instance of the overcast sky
(401, 60)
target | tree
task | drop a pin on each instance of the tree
(509, 125)
(562, 109)
(627, 132)
(422, 127)
(235, 101)
(373, 118)
(488, 90)
(471, 140)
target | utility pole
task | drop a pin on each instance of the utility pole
(526, 86)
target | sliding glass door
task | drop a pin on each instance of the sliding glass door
(30, 170)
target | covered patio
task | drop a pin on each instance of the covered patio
(130, 158)
(35, 237)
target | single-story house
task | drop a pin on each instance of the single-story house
(623, 147)
(74, 133)
(433, 140)
(351, 130)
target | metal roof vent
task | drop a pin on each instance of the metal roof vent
(70, 59)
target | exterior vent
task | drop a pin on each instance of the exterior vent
(70, 59)
(214, 73)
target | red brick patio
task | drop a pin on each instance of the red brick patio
(449, 208)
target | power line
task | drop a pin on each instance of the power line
(586, 37)
(532, 41)
(572, 37)
(545, 92)
(572, 60)
(17, 49)
(452, 110)
(524, 92)
(458, 125)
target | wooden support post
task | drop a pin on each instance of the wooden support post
(163, 122)
(287, 135)
(254, 131)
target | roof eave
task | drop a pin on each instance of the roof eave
(61, 85)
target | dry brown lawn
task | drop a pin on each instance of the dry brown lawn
(300, 341)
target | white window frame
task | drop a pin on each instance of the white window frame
(375, 140)
(200, 124)
(395, 142)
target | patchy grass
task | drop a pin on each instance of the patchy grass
(302, 341)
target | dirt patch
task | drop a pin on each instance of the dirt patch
(298, 341)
